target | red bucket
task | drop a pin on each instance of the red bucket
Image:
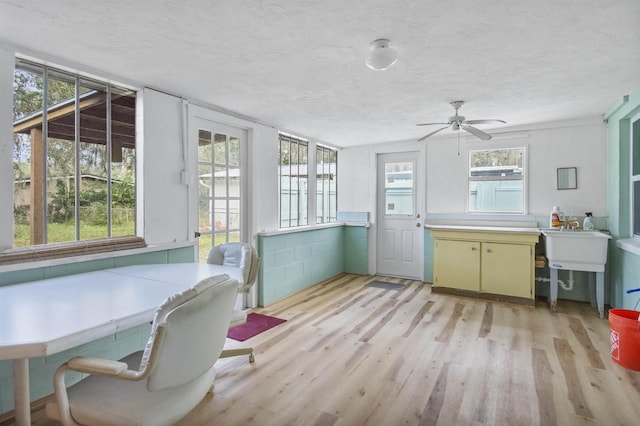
(625, 337)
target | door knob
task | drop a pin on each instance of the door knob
(418, 225)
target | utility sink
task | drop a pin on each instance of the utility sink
(577, 250)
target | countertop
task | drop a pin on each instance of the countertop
(483, 228)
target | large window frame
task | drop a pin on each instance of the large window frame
(297, 200)
(115, 146)
(508, 179)
(293, 181)
(326, 184)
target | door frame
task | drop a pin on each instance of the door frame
(420, 202)
(197, 112)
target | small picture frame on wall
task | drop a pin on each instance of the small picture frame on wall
(567, 178)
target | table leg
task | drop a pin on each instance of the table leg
(21, 391)
(600, 292)
(553, 289)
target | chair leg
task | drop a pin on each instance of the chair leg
(236, 352)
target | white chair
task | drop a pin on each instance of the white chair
(176, 368)
(245, 258)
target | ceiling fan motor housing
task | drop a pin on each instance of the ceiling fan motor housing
(456, 119)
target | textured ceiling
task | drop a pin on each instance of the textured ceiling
(299, 65)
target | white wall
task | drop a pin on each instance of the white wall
(165, 197)
(579, 143)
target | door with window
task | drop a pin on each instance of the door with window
(400, 234)
(219, 183)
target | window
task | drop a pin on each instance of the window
(399, 188)
(293, 181)
(296, 155)
(635, 176)
(496, 181)
(326, 183)
(73, 158)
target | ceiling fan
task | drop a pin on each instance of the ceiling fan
(457, 122)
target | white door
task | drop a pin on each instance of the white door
(399, 227)
(219, 182)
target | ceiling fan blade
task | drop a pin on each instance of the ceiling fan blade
(430, 124)
(476, 132)
(432, 133)
(484, 121)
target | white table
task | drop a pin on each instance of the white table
(44, 317)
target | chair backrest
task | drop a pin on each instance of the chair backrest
(240, 255)
(195, 324)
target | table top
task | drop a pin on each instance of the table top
(44, 317)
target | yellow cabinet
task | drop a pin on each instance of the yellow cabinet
(488, 264)
(457, 264)
(507, 269)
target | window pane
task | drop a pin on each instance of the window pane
(220, 148)
(234, 151)
(234, 182)
(205, 214)
(123, 162)
(205, 187)
(220, 182)
(220, 215)
(325, 185)
(71, 154)
(399, 188)
(93, 165)
(27, 141)
(234, 214)
(204, 246)
(496, 180)
(204, 145)
(285, 201)
(61, 158)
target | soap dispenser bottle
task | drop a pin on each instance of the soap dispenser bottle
(556, 218)
(587, 225)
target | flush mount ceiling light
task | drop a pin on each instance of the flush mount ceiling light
(381, 56)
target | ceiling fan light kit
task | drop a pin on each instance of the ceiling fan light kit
(382, 55)
(457, 122)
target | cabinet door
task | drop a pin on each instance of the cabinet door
(457, 264)
(507, 269)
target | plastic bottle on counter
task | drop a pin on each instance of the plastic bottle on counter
(556, 218)
(587, 225)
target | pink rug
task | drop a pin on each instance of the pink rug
(256, 324)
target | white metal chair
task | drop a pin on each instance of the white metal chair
(176, 368)
(244, 257)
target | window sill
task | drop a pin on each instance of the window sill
(631, 245)
(295, 229)
(70, 249)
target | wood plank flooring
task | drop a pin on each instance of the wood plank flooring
(350, 354)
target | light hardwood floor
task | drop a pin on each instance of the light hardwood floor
(350, 354)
